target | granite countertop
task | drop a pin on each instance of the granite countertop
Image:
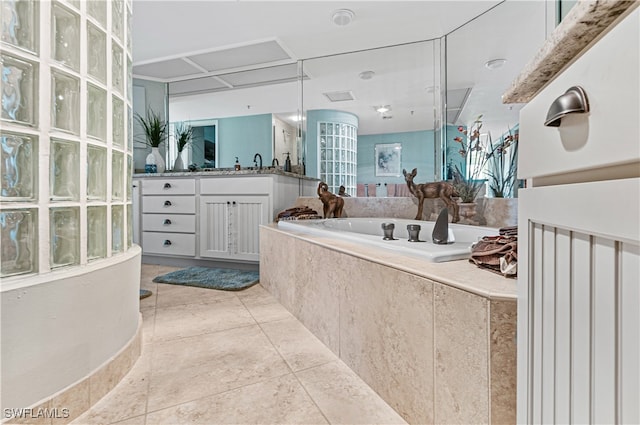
(227, 172)
(582, 25)
(459, 274)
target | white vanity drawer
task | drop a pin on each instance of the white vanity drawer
(169, 243)
(249, 185)
(160, 186)
(180, 223)
(608, 134)
(169, 204)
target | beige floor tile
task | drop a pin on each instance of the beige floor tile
(128, 398)
(344, 398)
(176, 295)
(255, 295)
(279, 400)
(299, 347)
(138, 420)
(190, 368)
(269, 312)
(196, 319)
(148, 324)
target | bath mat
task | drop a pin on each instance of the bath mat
(212, 278)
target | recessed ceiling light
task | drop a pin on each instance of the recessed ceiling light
(495, 63)
(342, 17)
(366, 75)
(382, 109)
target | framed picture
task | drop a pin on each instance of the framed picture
(388, 159)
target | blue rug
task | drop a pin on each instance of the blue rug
(212, 278)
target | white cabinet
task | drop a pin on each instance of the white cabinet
(169, 217)
(229, 223)
(189, 218)
(579, 243)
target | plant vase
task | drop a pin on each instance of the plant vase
(467, 211)
(179, 164)
(160, 165)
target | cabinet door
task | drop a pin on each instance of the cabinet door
(247, 214)
(214, 226)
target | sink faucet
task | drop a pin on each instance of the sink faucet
(256, 161)
(275, 162)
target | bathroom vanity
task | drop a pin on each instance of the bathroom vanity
(193, 217)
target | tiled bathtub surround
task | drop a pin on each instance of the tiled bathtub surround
(491, 212)
(436, 341)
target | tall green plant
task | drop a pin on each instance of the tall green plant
(503, 166)
(183, 134)
(154, 128)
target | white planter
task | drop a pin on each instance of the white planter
(179, 164)
(160, 165)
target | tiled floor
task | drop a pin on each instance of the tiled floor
(214, 357)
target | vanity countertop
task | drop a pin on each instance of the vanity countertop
(226, 172)
(582, 25)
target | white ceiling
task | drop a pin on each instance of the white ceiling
(237, 46)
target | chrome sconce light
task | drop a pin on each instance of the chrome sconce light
(573, 101)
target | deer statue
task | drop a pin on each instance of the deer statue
(332, 204)
(422, 191)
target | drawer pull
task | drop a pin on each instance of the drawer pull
(167, 203)
(167, 185)
(573, 101)
(167, 242)
(167, 222)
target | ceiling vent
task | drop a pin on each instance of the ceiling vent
(339, 96)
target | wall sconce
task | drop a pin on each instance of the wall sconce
(573, 101)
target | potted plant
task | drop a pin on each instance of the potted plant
(502, 167)
(469, 182)
(155, 132)
(183, 134)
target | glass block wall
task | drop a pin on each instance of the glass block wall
(338, 143)
(65, 134)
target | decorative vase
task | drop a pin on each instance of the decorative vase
(179, 164)
(159, 160)
(467, 211)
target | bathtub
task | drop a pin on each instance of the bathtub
(369, 231)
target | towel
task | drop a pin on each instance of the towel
(360, 190)
(372, 190)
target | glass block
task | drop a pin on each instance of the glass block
(129, 29)
(129, 129)
(96, 173)
(65, 111)
(65, 236)
(18, 166)
(19, 25)
(117, 228)
(64, 171)
(97, 9)
(65, 38)
(118, 122)
(129, 226)
(117, 176)
(129, 77)
(129, 181)
(117, 68)
(18, 242)
(19, 90)
(96, 53)
(117, 19)
(96, 112)
(96, 232)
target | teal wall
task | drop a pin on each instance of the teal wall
(417, 152)
(244, 137)
(197, 141)
(311, 135)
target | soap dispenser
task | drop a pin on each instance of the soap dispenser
(237, 164)
(287, 163)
